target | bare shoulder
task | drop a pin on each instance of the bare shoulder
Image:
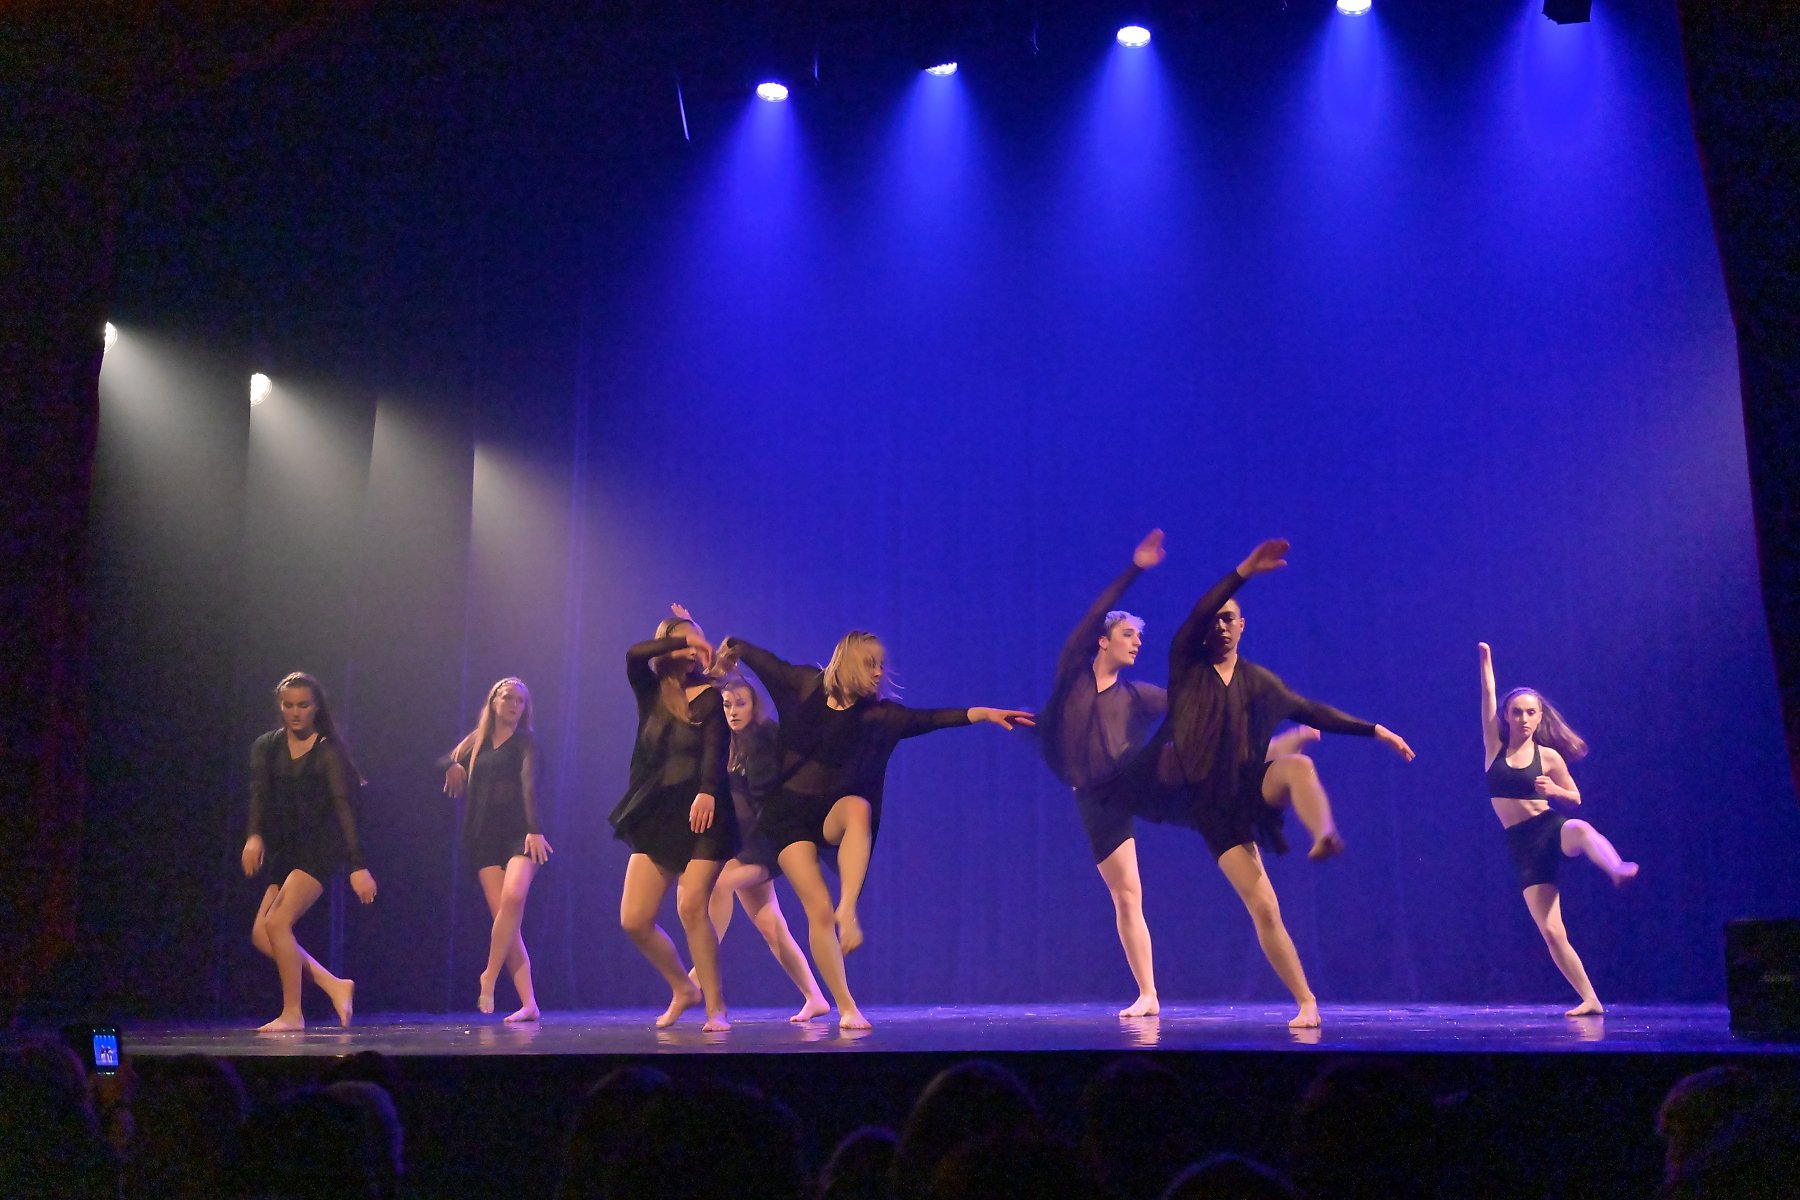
(1553, 758)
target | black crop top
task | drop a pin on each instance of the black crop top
(1515, 783)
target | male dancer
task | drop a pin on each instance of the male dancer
(1210, 767)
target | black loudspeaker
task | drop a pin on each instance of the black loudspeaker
(1762, 978)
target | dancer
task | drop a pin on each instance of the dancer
(1213, 765)
(838, 729)
(303, 829)
(1529, 747)
(497, 765)
(670, 815)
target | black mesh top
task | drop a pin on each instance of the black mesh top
(503, 785)
(671, 754)
(305, 801)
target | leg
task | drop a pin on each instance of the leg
(1243, 867)
(298, 893)
(645, 884)
(342, 992)
(764, 911)
(506, 944)
(801, 863)
(1545, 903)
(724, 899)
(849, 827)
(692, 898)
(1293, 779)
(492, 879)
(1120, 871)
(1578, 837)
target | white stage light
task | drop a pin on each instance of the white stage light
(259, 388)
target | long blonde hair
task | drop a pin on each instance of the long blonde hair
(848, 676)
(477, 737)
(1552, 730)
(677, 675)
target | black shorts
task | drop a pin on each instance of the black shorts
(1108, 826)
(493, 849)
(1536, 848)
(322, 859)
(1242, 818)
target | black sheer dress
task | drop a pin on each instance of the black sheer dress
(501, 804)
(1203, 768)
(671, 763)
(1086, 735)
(752, 779)
(303, 808)
(827, 753)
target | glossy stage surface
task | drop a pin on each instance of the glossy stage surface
(996, 1029)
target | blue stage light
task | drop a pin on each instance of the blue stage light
(948, 68)
(773, 92)
(1134, 36)
(1353, 8)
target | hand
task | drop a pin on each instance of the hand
(725, 658)
(1150, 551)
(1266, 557)
(1546, 787)
(700, 815)
(680, 610)
(253, 854)
(1006, 718)
(701, 648)
(363, 884)
(1394, 740)
(455, 779)
(1485, 651)
(537, 848)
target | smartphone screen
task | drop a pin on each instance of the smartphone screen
(106, 1051)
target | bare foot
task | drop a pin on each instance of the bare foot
(1587, 1008)
(852, 1018)
(1329, 845)
(485, 1001)
(343, 998)
(684, 999)
(284, 1024)
(1625, 874)
(528, 1012)
(717, 1022)
(1307, 1017)
(850, 934)
(815, 1006)
(1146, 1006)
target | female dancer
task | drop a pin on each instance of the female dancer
(1529, 748)
(838, 730)
(303, 828)
(753, 762)
(670, 815)
(497, 765)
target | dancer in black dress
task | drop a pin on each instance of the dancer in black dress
(498, 765)
(838, 730)
(1529, 747)
(671, 816)
(303, 830)
(1209, 765)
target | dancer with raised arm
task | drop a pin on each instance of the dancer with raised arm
(671, 816)
(302, 829)
(497, 766)
(1210, 765)
(838, 730)
(1529, 747)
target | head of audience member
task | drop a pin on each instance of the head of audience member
(858, 1169)
(605, 1119)
(1014, 1165)
(1139, 1128)
(1750, 1154)
(1365, 1130)
(1699, 1108)
(310, 1145)
(50, 1143)
(709, 1140)
(189, 1111)
(965, 1103)
(1228, 1177)
(380, 1127)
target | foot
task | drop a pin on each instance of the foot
(815, 1006)
(716, 1022)
(1625, 874)
(1329, 844)
(1146, 1006)
(1307, 1017)
(684, 999)
(849, 930)
(1587, 1008)
(343, 998)
(485, 1001)
(285, 1023)
(852, 1018)
(525, 1014)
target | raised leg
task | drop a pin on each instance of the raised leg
(1243, 867)
(645, 885)
(1120, 871)
(1578, 837)
(297, 893)
(764, 910)
(800, 861)
(342, 992)
(1545, 903)
(1293, 779)
(692, 896)
(848, 826)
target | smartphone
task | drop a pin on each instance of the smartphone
(98, 1046)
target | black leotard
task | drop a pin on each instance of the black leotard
(502, 800)
(302, 808)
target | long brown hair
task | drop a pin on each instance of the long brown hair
(1552, 730)
(759, 714)
(322, 721)
(677, 675)
(477, 737)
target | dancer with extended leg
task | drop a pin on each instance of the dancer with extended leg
(671, 817)
(303, 829)
(1529, 747)
(497, 766)
(838, 731)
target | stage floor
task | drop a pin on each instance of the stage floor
(996, 1029)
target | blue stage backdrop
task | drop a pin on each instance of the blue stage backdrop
(1433, 296)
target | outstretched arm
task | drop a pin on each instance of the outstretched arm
(1078, 650)
(1185, 648)
(689, 645)
(786, 683)
(1490, 706)
(1331, 720)
(915, 721)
